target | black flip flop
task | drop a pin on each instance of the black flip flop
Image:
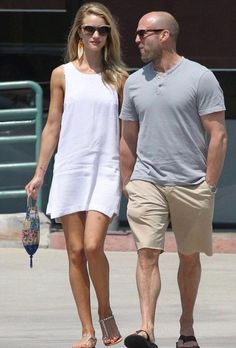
(187, 339)
(137, 341)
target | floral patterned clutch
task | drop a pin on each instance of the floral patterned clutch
(31, 229)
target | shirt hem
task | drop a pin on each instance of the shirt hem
(174, 183)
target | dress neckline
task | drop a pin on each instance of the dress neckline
(83, 73)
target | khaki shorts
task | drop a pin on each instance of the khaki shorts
(189, 209)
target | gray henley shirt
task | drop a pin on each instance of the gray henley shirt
(172, 143)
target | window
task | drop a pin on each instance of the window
(227, 80)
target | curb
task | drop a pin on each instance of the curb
(223, 242)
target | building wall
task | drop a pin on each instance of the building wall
(32, 44)
(207, 28)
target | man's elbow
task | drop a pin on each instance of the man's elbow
(224, 138)
(221, 139)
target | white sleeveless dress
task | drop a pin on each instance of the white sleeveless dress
(86, 173)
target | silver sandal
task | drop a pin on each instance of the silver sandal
(87, 340)
(110, 331)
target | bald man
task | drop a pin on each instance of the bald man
(172, 151)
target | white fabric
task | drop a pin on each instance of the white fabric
(86, 172)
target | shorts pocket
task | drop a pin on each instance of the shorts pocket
(127, 185)
(208, 187)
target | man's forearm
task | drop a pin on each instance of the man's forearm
(127, 160)
(215, 159)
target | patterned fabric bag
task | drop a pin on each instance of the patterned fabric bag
(31, 229)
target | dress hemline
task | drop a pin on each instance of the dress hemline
(57, 215)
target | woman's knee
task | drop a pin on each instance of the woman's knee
(76, 256)
(93, 251)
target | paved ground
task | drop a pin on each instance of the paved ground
(37, 309)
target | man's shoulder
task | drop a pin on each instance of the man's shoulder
(197, 67)
(138, 74)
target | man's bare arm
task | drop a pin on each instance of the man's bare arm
(214, 124)
(128, 145)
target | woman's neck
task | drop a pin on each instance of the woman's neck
(91, 63)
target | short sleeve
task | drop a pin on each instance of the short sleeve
(128, 110)
(210, 95)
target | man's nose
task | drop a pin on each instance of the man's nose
(137, 39)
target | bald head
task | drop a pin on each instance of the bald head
(163, 20)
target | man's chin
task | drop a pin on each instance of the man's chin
(145, 59)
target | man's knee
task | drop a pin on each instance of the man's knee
(148, 257)
(190, 261)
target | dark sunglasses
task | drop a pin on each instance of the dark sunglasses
(90, 29)
(142, 32)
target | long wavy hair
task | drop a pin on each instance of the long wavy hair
(113, 66)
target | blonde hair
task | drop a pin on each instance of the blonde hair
(113, 66)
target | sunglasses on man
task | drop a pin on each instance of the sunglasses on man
(90, 29)
(142, 32)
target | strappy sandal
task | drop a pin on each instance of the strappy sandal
(87, 341)
(110, 331)
(186, 339)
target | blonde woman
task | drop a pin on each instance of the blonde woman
(85, 193)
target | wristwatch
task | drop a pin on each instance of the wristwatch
(213, 188)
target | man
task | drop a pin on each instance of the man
(172, 151)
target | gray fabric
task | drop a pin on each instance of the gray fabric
(172, 144)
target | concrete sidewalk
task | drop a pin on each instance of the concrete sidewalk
(38, 311)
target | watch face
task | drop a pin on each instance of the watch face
(213, 189)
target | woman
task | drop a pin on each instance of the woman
(85, 191)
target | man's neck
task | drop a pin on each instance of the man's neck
(167, 62)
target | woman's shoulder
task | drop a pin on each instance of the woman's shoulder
(59, 71)
(121, 71)
(58, 76)
(124, 74)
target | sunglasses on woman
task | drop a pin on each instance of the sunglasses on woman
(90, 29)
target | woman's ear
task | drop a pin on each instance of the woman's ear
(79, 34)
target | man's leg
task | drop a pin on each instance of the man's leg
(189, 275)
(191, 210)
(148, 216)
(149, 286)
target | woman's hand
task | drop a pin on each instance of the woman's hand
(33, 187)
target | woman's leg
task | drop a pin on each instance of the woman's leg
(94, 238)
(95, 233)
(74, 227)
